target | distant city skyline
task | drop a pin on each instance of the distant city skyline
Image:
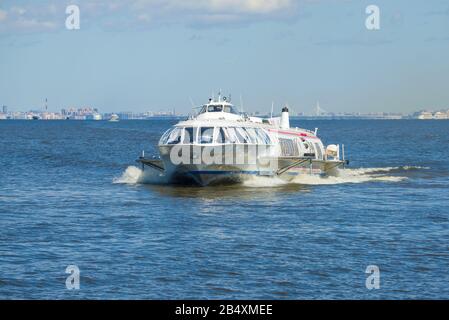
(146, 55)
(311, 111)
(88, 113)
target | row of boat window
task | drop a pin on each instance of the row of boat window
(222, 135)
(219, 108)
(289, 148)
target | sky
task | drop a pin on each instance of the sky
(141, 55)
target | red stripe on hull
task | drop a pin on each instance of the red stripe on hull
(299, 134)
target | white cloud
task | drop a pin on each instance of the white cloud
(30, 17)
(34, 24)
(134, 13)
(212, 12)
(251, 6)
(218, 6)
(17, 11)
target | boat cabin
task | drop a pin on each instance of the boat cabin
(219, 109)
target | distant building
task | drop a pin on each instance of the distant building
(440, 115)
(5, 109)
(126, 115)
(428, 115)
(425, 115)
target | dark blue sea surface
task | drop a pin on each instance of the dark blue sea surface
(69, 195)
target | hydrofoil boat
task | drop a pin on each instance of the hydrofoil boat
(221, 145)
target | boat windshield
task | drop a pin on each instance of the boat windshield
(190, 135)
(231, 109)
(231, 136)
(218, 108)
(172, 136)
(207, 135)
(215, 108)
(223, 135)
(242, 136)
(253, 136)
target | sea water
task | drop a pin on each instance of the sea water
(72, 194)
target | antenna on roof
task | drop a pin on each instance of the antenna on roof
(192, 103)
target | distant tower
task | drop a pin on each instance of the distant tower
(319, 111)
(5, 109)
(46, 104)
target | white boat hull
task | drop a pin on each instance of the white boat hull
(204, 175)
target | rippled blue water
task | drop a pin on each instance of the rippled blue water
(59, 206)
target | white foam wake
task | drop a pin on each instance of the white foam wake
(342, 176)
(351, 176)
(134, 175)
(264, 182)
